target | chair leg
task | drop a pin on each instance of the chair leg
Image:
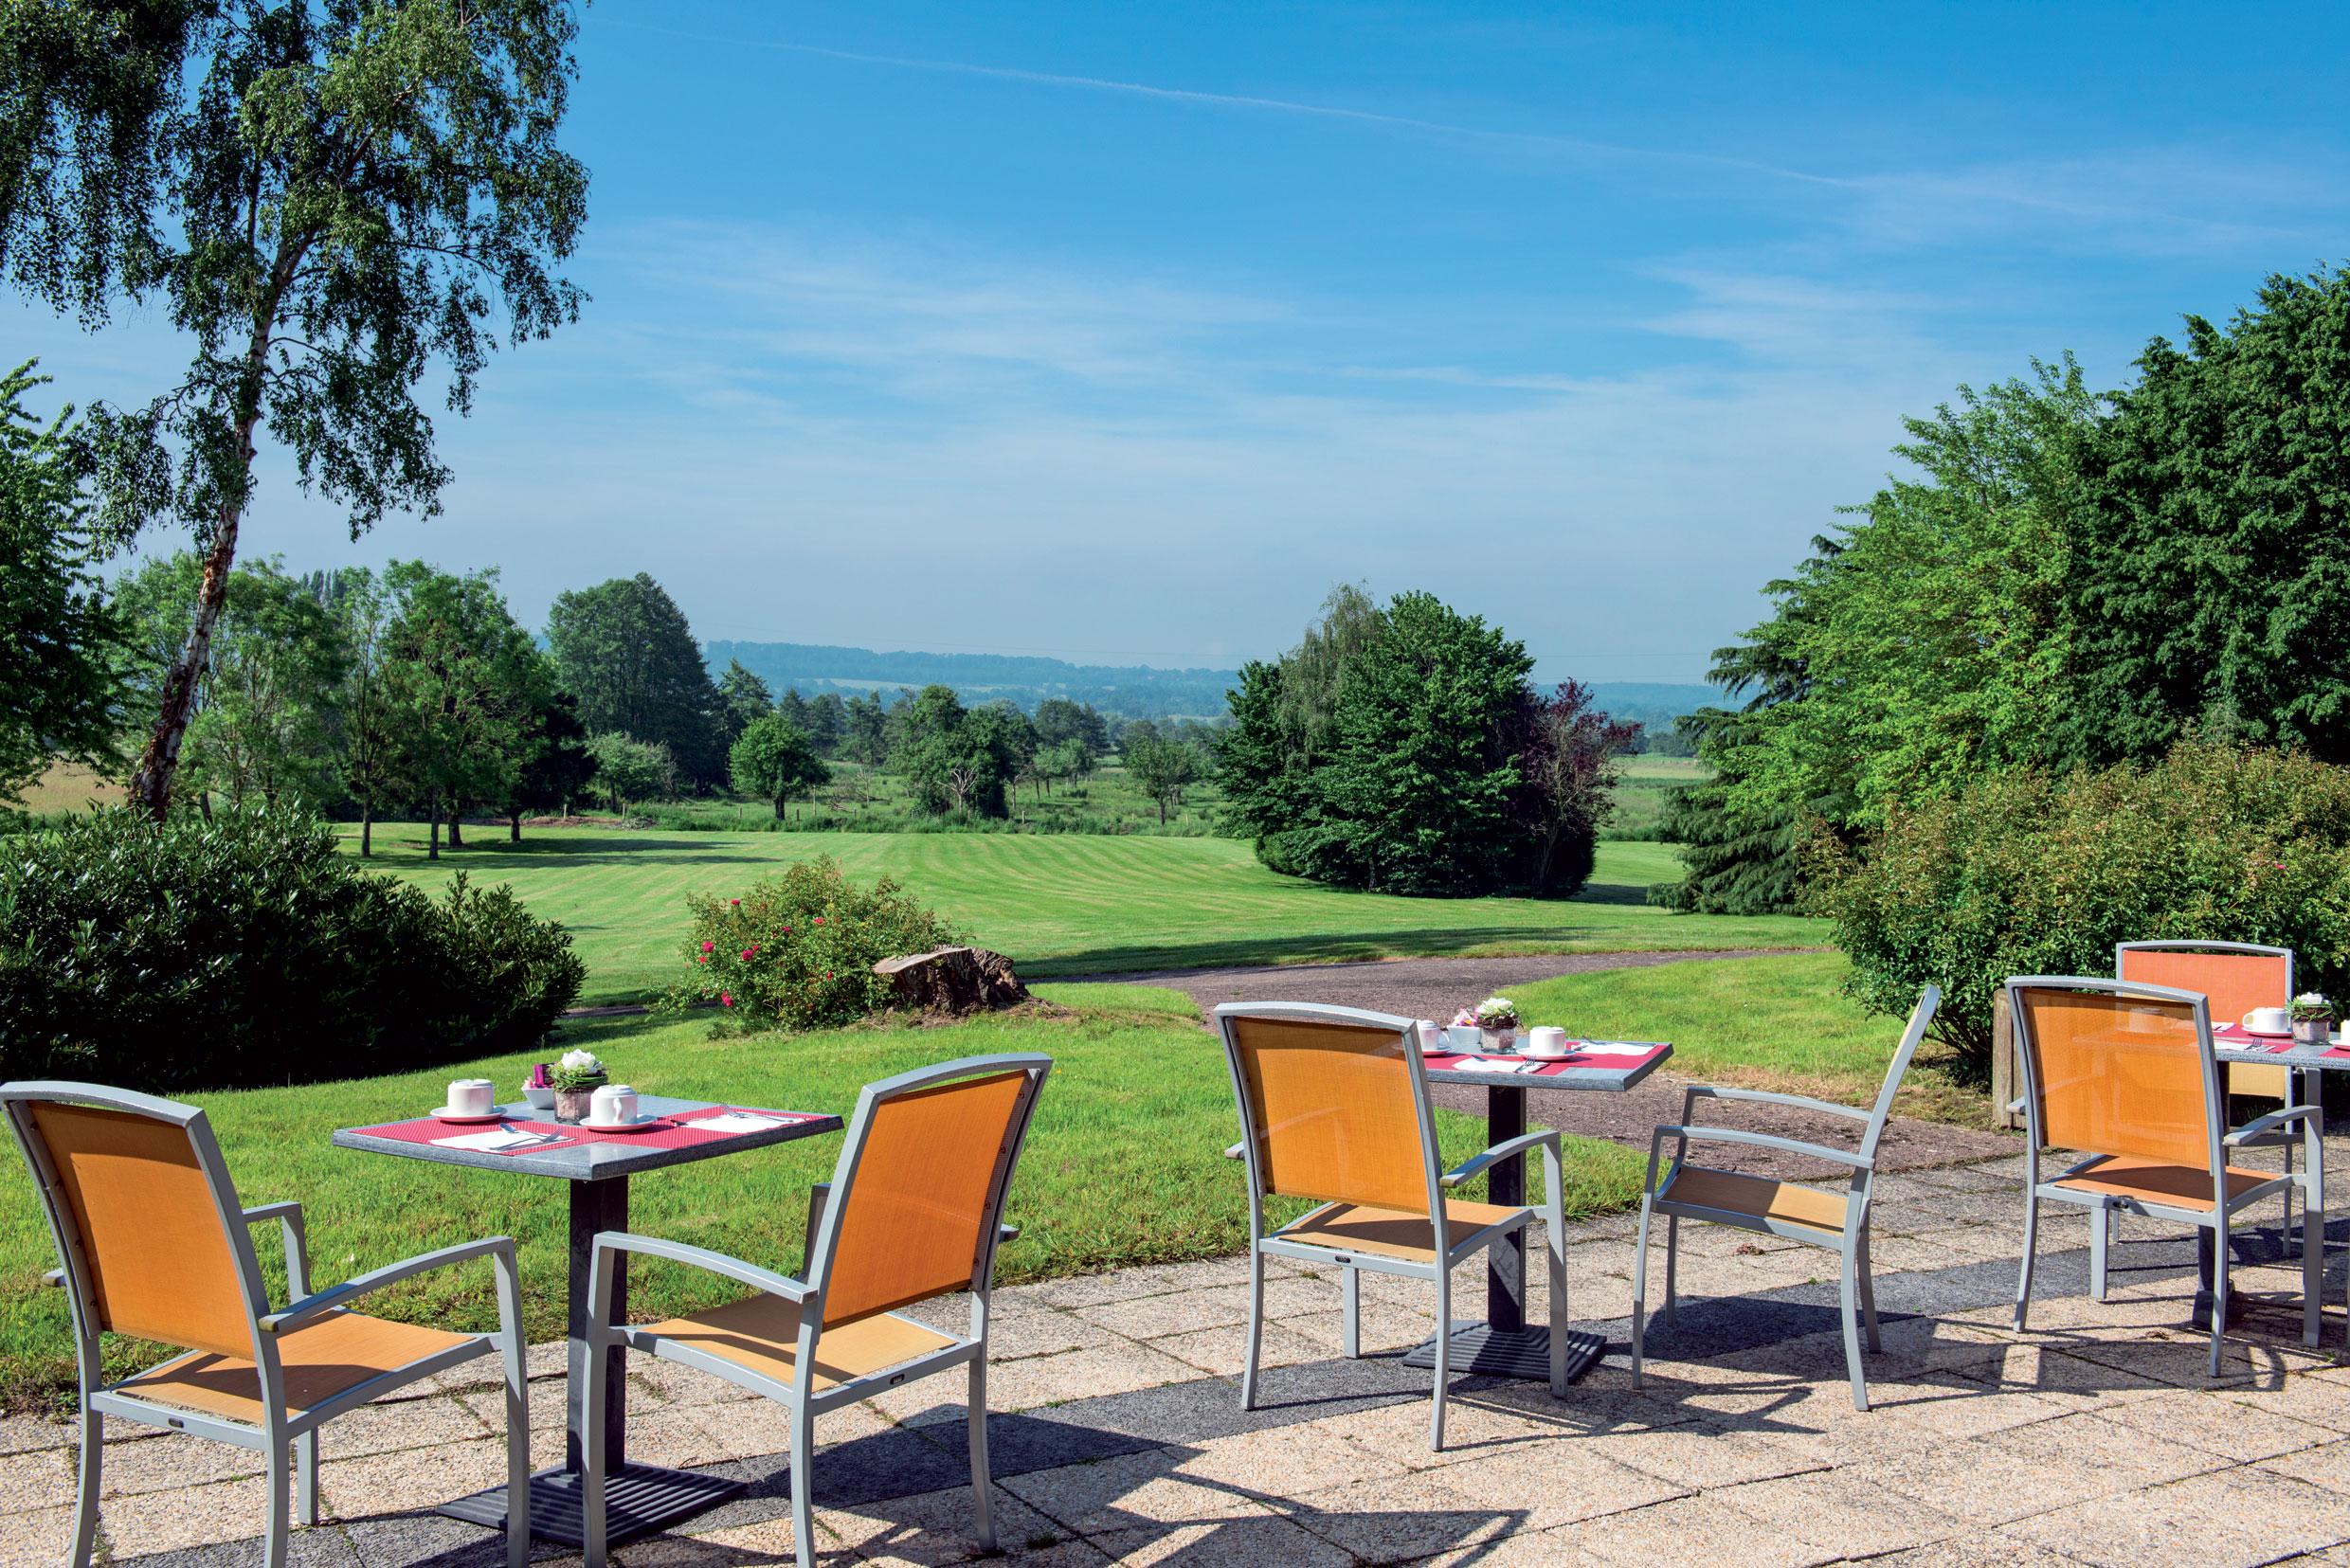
(1352, 1315)
(592, 1505)
(306, 1476)
(983, 1498)
(1868, 1297)
(2100, 1229)
(1849, 1295)
(1443, 1348)
(85, 1495)
(1673, 1266)
(803, 1485)
(279, 1540)
(2219, 1292)
(517, 1451)
(2023, 1281)
(1639, 1294)
(1255, 1328)
(1554, 1249)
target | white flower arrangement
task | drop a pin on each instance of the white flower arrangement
(1493, 1013)
(2312, 1007)
(578, 1069)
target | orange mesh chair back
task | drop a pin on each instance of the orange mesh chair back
(919, 1211)
(158, 1261)
(1332, 1112)
(2236, 981)
(2118, 1073)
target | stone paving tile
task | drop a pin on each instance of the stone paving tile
(936, 1527)
(179, 1460)
(25, 1434)
(1841, 1511)
(38, 1535)
(1261, 1541)
(1267, 1465)
(1698, 1529)
(1700, 1455)
(2244, 1517)
(1149, 1317)
(1223, 1352)
(2218, 1426)
(1132, 1489)
(2123, 1455)
(185, 1516)
(42, 1478)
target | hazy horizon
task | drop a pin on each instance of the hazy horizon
(1119, 338)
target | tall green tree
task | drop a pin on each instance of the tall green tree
(554, 766)
(329, 199)
(60, 644)
(372, 751)
(624, 650)
(631, 770)
(460, 675)
(828, 722)
(1566, 753)
(772, 760)
(743, 698)
(2213, 566)
(1162, 767)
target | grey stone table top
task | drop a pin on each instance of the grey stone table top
(1614, 1080)
(596, 1161)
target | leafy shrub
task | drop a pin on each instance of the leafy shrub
(2024, 872)
(798, 949)
(247, 950)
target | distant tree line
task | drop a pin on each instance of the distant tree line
(1404, 748)
(2070, 579)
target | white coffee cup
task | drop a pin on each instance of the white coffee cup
(2269, 1020)
(1467, 1038)
(473, 1096)
(1547, 1041)
(1431, 1039)
(614, 1104)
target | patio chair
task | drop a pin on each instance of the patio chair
(2124, 1073)
(2236, 977)
(1836, 1220)
(1334, 1108)
(155, 1246)
(914, 1211)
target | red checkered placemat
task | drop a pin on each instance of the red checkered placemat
(673, 1133)
(1550, 1068)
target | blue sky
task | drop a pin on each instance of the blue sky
(1120, 334)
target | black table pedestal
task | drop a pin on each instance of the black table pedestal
(640, 1500)
(1504, 1345)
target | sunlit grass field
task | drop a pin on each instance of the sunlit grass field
(1061, 904)
(1122, 1166)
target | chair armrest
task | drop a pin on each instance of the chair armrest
(2311, 1117)
(55, 1276)
(1757, 1096)
(297, 1236)
(2014, 1105)
(1007, 1232)
(703, 1257)
(333, 1296)
(1761, 1141)
(1477, 1164)
(1236, 1151)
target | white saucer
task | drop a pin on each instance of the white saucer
(642, 1124)
(464, 1118)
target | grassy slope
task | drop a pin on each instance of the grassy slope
(1122, 1166)
(1064, 905)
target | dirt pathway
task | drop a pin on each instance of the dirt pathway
(1433, 987)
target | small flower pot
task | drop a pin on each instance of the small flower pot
(1501, 1039)
(571, 1104)
(2312, 1031)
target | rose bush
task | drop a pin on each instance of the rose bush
(797, 950)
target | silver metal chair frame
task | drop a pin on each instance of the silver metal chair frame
(799, 1396)
(280, 1428)
(2309, 1119)
(2281, 1138)
(1851, 1245)
(1450, 1251)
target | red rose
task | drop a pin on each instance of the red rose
(820, 920)
(737, 902)
(710, 947)
(725, 1001)
(702, 958)
(748, 951)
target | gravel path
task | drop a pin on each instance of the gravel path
(1432, 988)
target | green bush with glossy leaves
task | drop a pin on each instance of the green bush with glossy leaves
(246, 949)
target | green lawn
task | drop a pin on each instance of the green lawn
(1063, 905)
(1122, 1166)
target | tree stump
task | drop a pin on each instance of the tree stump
(953, 981)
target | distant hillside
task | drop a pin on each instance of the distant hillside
(1133, 691)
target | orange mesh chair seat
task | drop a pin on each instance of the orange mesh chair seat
(2124, 1073)
(914, 1211)
(156, 1245)
(1837, 1220)
(2235, 978)
(1334, 1108)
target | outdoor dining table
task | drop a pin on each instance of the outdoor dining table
(1506, 1346)
(642, 1498)
(2312, 1062)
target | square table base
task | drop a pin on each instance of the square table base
(642, 1500)
(1484, 1351)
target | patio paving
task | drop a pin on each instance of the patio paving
(2092, 1437)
